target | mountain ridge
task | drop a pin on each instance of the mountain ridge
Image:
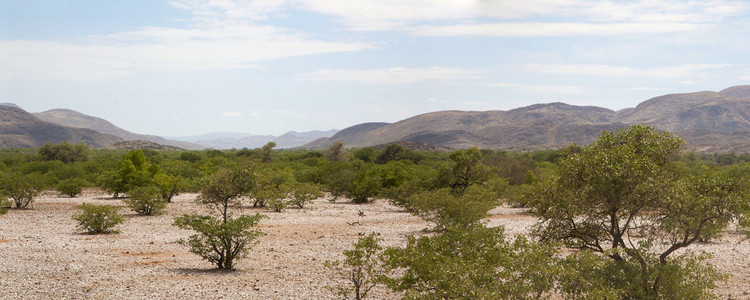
(710, 121)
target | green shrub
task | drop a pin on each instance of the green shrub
(4, 205)
(98, 218)
(146, 200)
(22, 189)
(304, 193)
(361, 268)
(220, 241)
(72, 187)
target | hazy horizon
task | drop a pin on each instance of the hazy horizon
(266, 67)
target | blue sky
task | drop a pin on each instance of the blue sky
(189, 67)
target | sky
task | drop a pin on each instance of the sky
(190, 67)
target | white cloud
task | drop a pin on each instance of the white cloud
(678, 71)
(746, 78)
(646, 89)
(283, 112)
(433, 100)
(630, 16)
(232, 114)
(222, 35)
(551, 29)
(554, 89)
(392, 75)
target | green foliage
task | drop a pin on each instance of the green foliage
(361, 268)
(4, 205)
(146, 200)
(22, 188)
(514, 166)
(132, 172)
(98, 218)
(366, 154)
(267, 151)
(66, 153)
(620, 197)
(304, 192)
(395, 152)
(168, 185)
(465, 170)
(470, 263)
(72, 187)
(448, 210)
(220, 240)
(190, 156)
(335, 152)
(272, 187)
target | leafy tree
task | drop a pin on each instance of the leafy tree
(4, 205)
(447, 210)
(22, 188)
(133, 171)
(620, 197)
(272, 187)
(335, 152)
(366, 154)
(268, 151)
(168, 185)
(146, 200)
(305, 192)
(66, 153)
(393, 152)
(72, 187)
(475, 262)
(98, 218)
(465, 171)
(222, 240)
(361, 268)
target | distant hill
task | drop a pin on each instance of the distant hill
(708, 121)
(20, 129)
(140, 144)
(291, 139)
(71, 118)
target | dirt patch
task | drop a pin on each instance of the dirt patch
(145, 262)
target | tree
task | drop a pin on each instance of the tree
(268, 151)
(361, 268)
(168, 185)
(335, 152)
(98, 218)
(475, 262)
(66, 153)
(222, 240)
(465, 171)
(305, 192)
(72, 187)
(447, 210)
(133, 171)
(22, 188)
(146, 200)
(621, 198)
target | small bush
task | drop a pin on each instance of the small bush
(72, 187)
(146, 200)
(4, 205)
(98, 218)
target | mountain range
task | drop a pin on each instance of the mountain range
(708, 121)
(20, 129)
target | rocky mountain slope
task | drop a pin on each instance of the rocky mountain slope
(71, 118)
(20, 129)
(709, 121)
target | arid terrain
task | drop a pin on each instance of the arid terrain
(43, 256)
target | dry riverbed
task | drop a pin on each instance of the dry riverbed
(42, 256)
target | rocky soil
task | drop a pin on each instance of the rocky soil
(43, 256)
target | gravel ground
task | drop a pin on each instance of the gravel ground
(42, 256)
